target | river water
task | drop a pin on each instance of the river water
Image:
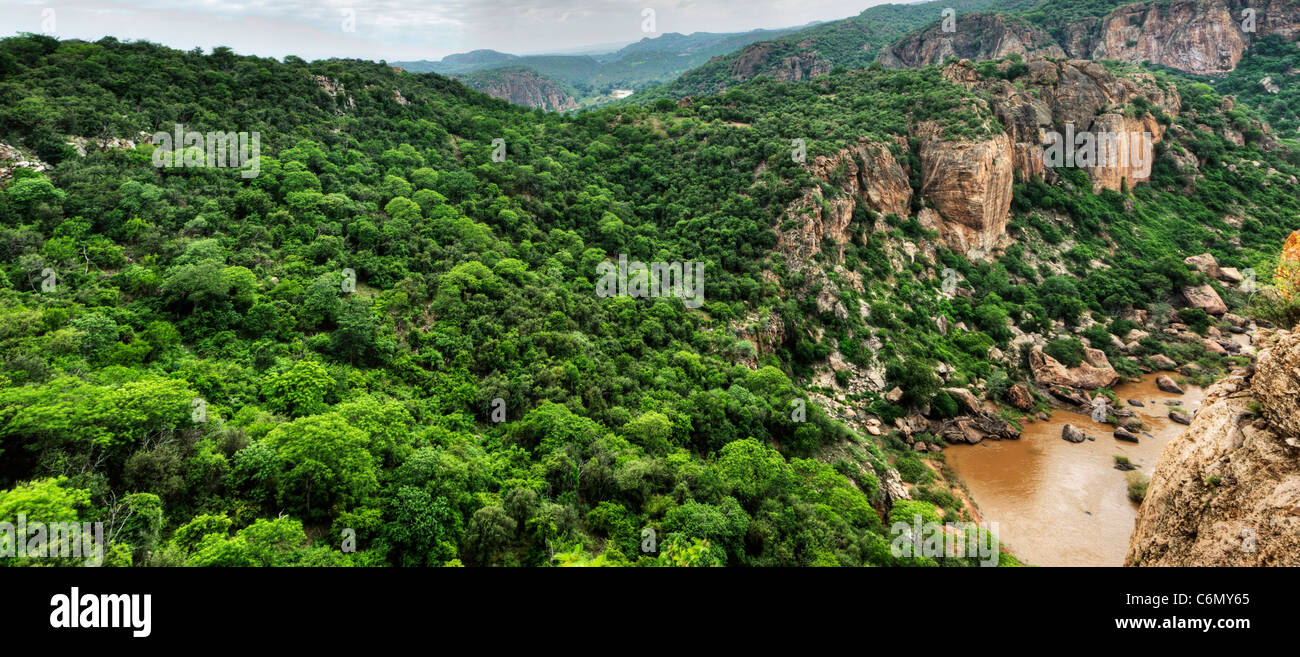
(1064, 504)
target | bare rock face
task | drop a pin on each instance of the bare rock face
(969, 183)
(1194, 36)
(521, 86)
(1227, 491)
(1277, 373)
(757, 59)
(879, 181)
(1087, 98)
(1093, 373)
(976, 37)
(1287, 275)
(1205, 298)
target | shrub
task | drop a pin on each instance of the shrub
(1137, 486)
(1066, 350)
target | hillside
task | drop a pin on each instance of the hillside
(594, 77)
(397, 331)
(521, 86)
(1192, 36)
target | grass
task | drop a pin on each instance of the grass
(1137, 486)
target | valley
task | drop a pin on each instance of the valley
(792, 291)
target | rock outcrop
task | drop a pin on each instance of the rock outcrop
(1062, 101)
(758, 59)
(521, 86)
(1287, 276)
(974, 36)
(1227, 491)
(969, 183)
(1195, 36)
(1094, 372)
(11, 158)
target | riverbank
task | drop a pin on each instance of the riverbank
(1059, 503)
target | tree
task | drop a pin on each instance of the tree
(324, 463)
(299, 390)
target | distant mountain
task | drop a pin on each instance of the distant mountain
(461, 63)
(596, 78)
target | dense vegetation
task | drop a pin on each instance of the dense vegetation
(332, 410)
(851, 43)
(1279, 61)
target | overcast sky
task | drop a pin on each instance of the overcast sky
(403, 29)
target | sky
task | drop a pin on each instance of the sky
(397, 30)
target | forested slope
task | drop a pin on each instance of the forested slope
(232, 370)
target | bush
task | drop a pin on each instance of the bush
(1137, 486)
(1066, 350)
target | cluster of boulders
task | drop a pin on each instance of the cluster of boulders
(11, 158)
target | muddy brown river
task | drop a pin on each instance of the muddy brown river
(1064, 504)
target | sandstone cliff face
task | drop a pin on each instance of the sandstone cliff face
(975, 36)
(1078, 96)
(969, 183)
(522, 87)
(1227, 491)
(868, 174)
(871, 174)
(1191, 35)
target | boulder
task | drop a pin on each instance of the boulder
(1124, 434)
(1163, 362)
(973, 429)
(1020, 397)
(1179, 417)
(1072, 434)
(1204, 263)
(1205, 298)
(1230, 275)
(1095, 372)
(1167, 384)
(964, 397)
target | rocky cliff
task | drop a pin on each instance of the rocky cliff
(1227, 491)
(969, 183)
(1191, 35)
(521, 86)
(972, 36)
(759, 59)
(1070, 98)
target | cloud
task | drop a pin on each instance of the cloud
(404, 29)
